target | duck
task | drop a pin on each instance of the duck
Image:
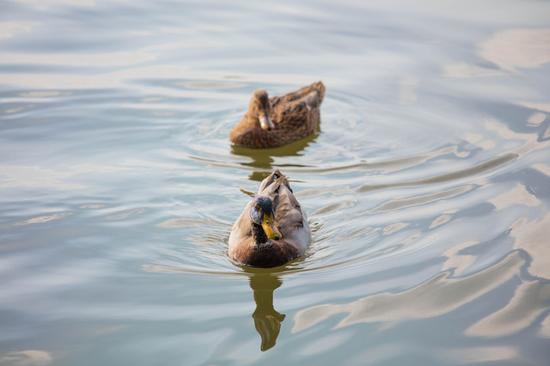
(272, 229)
(280, 120)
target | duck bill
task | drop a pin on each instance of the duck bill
(269, 229)
(265, 122)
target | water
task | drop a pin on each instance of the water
(427, 189)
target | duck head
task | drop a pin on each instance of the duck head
(259, 108)
(261, 215)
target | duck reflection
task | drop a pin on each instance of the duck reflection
(262, 159)
(267, 320)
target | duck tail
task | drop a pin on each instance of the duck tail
(273, 182)
(281, 179)
(315, 97)
(320, 88)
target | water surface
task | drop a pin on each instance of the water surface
(427, 189)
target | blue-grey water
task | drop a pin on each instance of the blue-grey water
(427, 189)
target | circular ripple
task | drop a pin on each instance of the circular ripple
(357, 178)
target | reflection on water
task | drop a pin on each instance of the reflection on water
(434, 298)
(528, 303)
(511, 49)
(267, 320)
(262, 159)
(26, 358)
(427, 189)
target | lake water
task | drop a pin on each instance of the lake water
(427, 189)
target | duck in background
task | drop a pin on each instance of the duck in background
(280, 120)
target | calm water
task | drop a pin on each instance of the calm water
(428, 188)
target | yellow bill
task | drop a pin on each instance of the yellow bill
(270, 231)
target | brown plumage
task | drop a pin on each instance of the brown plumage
(277, 121)
(271, 254)
(276, 209)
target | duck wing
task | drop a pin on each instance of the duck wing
(316, 89)
(297, 115)
(240, 238)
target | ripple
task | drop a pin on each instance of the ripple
(318, 175)
(43, 219)
(530, 48)
(484, 167)
(422, 199)
(438, 296)
(426, 187)
(29, 357)
(325, 174)
(526, 305)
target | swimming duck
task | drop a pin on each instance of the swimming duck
(277, 121)
(272, 229)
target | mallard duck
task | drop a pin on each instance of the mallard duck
(272, 229)
(277, 121)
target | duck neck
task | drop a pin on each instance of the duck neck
(258, 234)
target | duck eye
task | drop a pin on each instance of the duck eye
(256, 216)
